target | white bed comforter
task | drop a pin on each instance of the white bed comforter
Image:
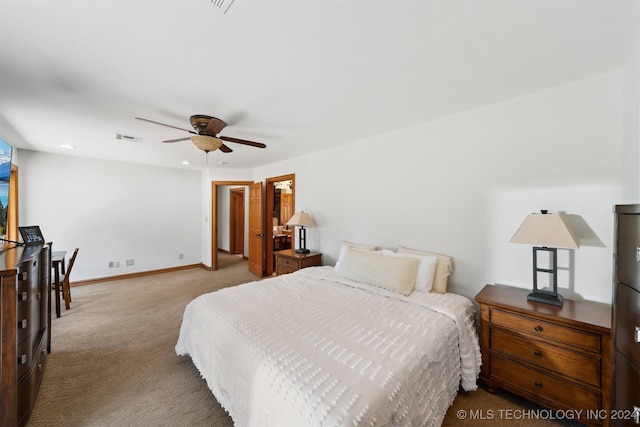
(313, 349)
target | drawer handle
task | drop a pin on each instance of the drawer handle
(22, 359)
(537, 384)
(24, 276)
(22, 297)
(638, 254)
(39, 367)
(22, 324)
(636, 414)
(637, 334)
(537, 354)
(538, 328)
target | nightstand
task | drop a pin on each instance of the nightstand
(288, 261)
(559, 357)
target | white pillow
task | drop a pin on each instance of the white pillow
(444, 267)
(426, 268)
(392, 273)
(359, 246)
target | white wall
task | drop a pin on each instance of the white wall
(631, 156)
(462, 185)
(112, 211)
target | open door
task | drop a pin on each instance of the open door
(256, 229)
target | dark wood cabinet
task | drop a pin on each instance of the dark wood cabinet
(559, 357)
(626, 313)
(288, 261)
(25, 341)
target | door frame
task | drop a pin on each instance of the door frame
(214, 216)
(270, 195)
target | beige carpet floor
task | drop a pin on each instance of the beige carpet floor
(113, 361)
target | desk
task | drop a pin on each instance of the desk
(57, 261)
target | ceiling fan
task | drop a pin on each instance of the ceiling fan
(206, 133)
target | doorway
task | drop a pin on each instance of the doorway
(214, 216)
(280, 205)
(269, 193)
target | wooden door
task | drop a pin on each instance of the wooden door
(236, 221)
(286, 207)
(256, 229)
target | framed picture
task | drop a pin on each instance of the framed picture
(31, 235)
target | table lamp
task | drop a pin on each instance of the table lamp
(545, 232)
(302, 219)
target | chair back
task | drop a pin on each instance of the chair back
(71, 261)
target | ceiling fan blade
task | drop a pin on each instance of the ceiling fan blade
(163, 124)
(225, 149)
(242, 141)
(215, 126)
(178, 139)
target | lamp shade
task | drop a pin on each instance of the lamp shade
(206, 143)
(302, 219)
(547, 230)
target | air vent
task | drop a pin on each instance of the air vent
(223, 5)
(128, 138)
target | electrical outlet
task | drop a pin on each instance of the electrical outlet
(110, 264)
(129, 263)
(181, 256)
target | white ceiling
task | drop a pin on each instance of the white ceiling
(299, 76)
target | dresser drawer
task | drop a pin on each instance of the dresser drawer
(542, 386)
(310, 262)
(540, 328)
(561, 360)
(627, 318)
(25, 357)
(627, 247)
(27, 388)
(285, 269)
(28, 317)
(286, 262)
(627, 389)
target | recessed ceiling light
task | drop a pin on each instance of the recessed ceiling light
(186, 162)
(222, 163)
(68, 146)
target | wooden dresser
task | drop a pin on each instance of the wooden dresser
(25, 341)
(626, 312)
(288, 261)
(559, 357)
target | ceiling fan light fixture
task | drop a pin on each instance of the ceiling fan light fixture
(206, 143)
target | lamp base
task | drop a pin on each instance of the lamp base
(303, 251)
(547, 298)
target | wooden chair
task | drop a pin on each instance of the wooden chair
(64, 287)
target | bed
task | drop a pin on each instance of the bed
(318, 348)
